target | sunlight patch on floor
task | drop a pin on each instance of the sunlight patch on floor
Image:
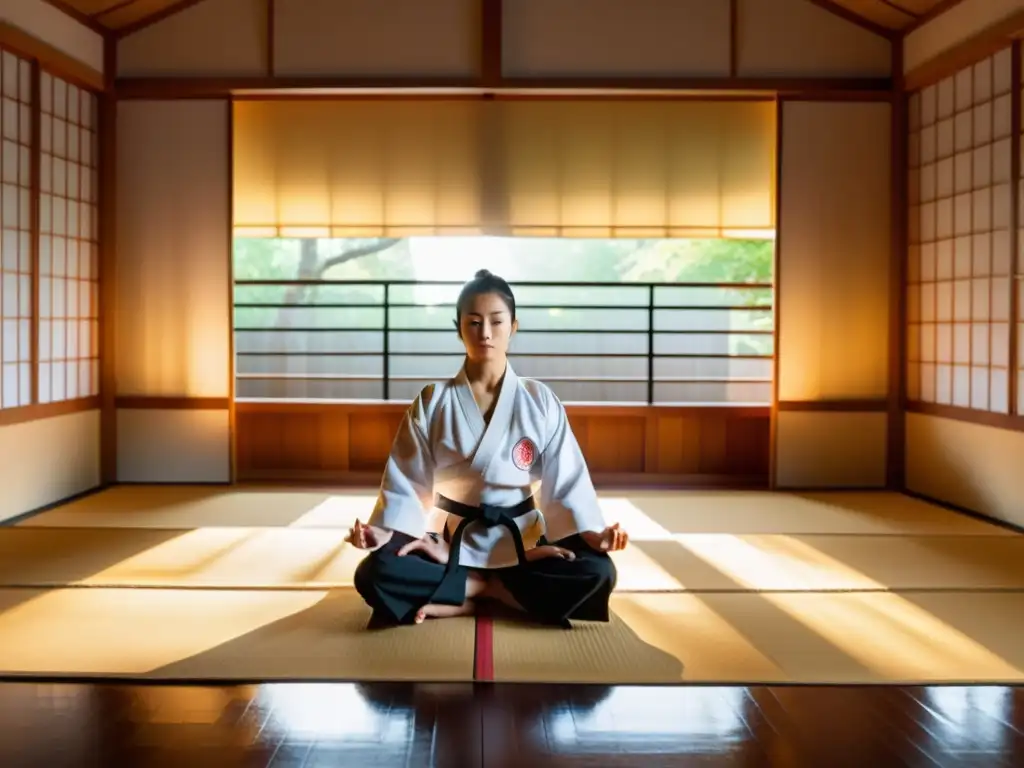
(242, 557)
(882, 630)
(84, 630)
(891, 636)
(775, 562)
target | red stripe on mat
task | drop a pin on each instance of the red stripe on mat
(483, 667)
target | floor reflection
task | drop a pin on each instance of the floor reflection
(399, 724)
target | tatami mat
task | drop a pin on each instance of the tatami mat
(731, 563)
(646, 514)
(312, 558)
(653, 638)
(240, 558)
(649, 513)
(791, 638)
(218, 634)
(254, 583)
(189, 506)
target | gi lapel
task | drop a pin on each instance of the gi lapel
(470, 409)
(495, 432)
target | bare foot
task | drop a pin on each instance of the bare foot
(497, 591)
(433, 611)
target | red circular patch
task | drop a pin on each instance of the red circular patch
(524, 454)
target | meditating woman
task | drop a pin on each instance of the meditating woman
(475, 447)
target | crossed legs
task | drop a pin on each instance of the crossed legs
(551, 589)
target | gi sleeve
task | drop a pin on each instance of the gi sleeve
(568, 499)
(406, 494)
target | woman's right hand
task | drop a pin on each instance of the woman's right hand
(432, 545)
(364, 536)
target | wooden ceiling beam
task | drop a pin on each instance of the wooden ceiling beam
(901, 8)
(472, 87)
(118, 6)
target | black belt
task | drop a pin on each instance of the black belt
(452, 591)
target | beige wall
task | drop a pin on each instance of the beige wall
(971, 465)
(172, 312)
(45, 22)
(48, 460)
(44, 461)
(833, 287)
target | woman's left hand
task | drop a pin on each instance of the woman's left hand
(611, 539)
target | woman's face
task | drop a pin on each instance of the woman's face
(486, 327)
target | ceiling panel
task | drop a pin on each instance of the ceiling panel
(896, 15)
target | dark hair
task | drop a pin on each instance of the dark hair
(484, 282)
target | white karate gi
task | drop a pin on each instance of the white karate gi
(443, 446)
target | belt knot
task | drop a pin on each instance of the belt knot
(491, 515)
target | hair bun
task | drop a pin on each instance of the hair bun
(483, 274)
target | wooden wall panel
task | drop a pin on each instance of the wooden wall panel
(651, 38)
(627, 445)
(639, 39)
(795, 38)
(611, 443)
(370, 438)
(376, 37)
(224, 38)
(831, 450)
(173, 446)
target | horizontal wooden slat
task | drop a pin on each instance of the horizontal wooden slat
(132, 402)
(985, 418)
(9, 416)
(844, 406)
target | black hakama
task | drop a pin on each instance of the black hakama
(551, 590)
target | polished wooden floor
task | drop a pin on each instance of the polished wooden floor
(56, 725)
